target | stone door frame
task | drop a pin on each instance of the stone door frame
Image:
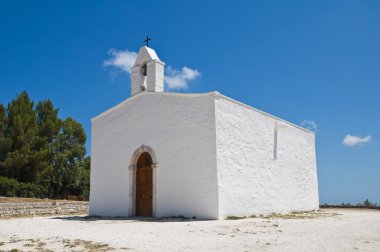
(132, 169)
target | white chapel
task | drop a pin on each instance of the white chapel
(203, 155)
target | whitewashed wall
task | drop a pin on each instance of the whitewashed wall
(250, 180)
(181, 131)
(192, 134)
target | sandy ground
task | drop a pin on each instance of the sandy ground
(326, 230)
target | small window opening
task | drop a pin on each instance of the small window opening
(143, 69)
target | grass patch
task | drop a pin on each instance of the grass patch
(235, 217)
(86, 245)
(70, 246)
(97, 246)
(291, 215)
(13, 240)
(41, 244)
(301, 215)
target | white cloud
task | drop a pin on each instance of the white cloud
(309, 124)
(174, 79)
(123, 60)
(351, 141)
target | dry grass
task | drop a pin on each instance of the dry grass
(235, 217)
(302, 215)
(292, 215)
(81, 245)
(21, 200)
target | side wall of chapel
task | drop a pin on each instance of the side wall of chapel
(259, 172)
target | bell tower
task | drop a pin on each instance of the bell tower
(147, 72)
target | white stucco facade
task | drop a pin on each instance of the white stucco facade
(180, 130)
(257, 173)
(212, 156)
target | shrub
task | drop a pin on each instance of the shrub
(12, 188)
(367, 202)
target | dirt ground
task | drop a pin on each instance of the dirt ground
(325, 230)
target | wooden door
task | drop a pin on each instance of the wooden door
(144, 187)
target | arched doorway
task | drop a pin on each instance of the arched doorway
(144, 185)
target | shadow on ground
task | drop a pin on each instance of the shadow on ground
(129, 219)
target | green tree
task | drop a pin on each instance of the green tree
(48, 121)
(5, 142)
(22, 162)
(367, 202)
(49, 126)
(69, 153)
(80, 179)
(41, 151)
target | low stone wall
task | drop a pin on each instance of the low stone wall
(49, 207)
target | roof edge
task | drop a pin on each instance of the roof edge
(212, 93)
(262, 112)
(148, 93)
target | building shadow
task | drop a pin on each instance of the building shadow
(127, 219)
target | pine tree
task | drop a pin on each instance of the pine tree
(69, 153)
(36, 146)
(22, 131)
(5, 142)
(49, 126)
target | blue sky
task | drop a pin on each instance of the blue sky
(304, 61)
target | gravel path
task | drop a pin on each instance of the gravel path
(326, 230)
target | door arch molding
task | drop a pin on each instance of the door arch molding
(132, 172)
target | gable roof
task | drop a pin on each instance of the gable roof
(213, 93)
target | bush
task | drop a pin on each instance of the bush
(12, 188)
(367, 202)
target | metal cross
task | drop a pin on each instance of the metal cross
(147, 41)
